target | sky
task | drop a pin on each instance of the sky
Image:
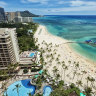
(51, 7)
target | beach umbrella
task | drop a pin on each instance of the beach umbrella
(36, 76)
(41, 71)
(81, 94)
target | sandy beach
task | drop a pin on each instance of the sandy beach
(61, 49)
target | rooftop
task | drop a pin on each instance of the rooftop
(5, 31)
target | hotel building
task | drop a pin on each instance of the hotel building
(9, 50)
(17, 18)
(2, 15)
(20, 19)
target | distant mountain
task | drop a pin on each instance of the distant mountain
(27, 14)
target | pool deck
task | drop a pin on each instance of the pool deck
(26, 59)
(47, 90)
(17, 77)
(27, 54)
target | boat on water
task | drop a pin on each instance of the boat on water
(91, 43)
(88, 41)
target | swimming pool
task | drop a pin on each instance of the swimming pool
(47, 91)
(31, 54)
(23, 90)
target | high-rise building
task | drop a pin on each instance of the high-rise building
(26, 19)
(2, 15)
(10, 16)
(19, 16)
(9, 50)
(20, 19)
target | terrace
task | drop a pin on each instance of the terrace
(29, 57)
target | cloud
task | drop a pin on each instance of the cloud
(74, 9)
(52, 11)
(23, 1)
(58, 6)
(2, 3)
(82, 3)
(35, 1)
(63, 2)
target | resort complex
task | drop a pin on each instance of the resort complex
(40, 68)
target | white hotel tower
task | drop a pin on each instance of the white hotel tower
(9, 49)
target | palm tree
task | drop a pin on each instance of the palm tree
(58, 55)
(88, 79)
(69, 62)
(83, 72)
(74, 73)
(9, 68)
(58, 63)
(45, 72)
(43, 51)
(47, 56)
(41, 48)
(45, 63)
(54, 53)
(74, 62)
(29, 94)
(54, 50)
(57, 59)
(63, 62)
(38, 44)
(79, 83)
(6, 91)
(88, 91)
(14, 66)
(65, 68)
(4, 72)
(57, 76)
(92, 81)
(78, 74)
(50, 61)
(77, 66)
(17, 88)
(52, 57)
(55, 70)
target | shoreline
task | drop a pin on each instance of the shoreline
(66, 54)
(72, 49)
(69, 45)
(81, 56)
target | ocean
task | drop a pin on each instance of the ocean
(75, 28)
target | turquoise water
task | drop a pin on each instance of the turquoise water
(74, 28)
(32, 54)
(47, 91)
(24, 89)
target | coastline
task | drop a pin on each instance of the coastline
(83, 57)
(73, 50)
(66, 53)
(70, 47)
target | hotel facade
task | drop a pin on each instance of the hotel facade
(2, 15)
(17, 18)
(9, 49)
